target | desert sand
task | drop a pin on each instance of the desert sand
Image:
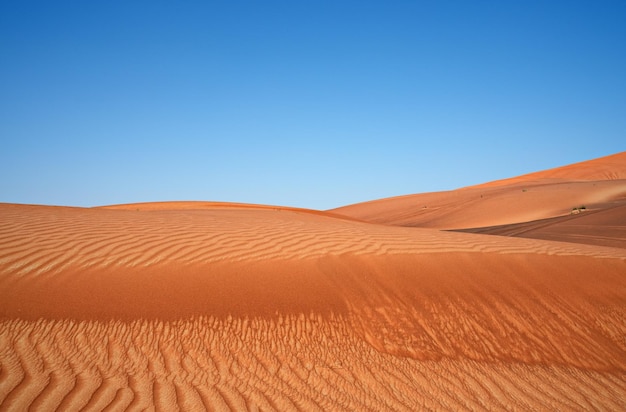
(217, 306)
(596, 184)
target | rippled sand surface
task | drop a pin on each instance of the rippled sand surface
(213, 306)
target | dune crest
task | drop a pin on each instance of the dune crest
(245, 308)
(217, 306)
(596, 184)
(611, 167)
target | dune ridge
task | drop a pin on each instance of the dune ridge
(594, 184)
(202, 205)
(84, 238)
(272, 309)
(611, 167)
(217, 306)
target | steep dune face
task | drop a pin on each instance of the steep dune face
(595, 184)
(275, 309)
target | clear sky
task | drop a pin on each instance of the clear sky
(313, 104)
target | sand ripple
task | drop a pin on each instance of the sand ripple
(274, 309)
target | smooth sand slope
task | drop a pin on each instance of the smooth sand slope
(256, 308)
(596, 184)
(605, 225)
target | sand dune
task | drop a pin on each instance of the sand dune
(594, 184)
(200, 205)
(214, 306)
(257, 308)
(612, 167)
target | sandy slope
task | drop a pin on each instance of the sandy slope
(540, 195)
(604, 226)
(612, 167)
(276, 309)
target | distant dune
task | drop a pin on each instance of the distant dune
(596, 184)
(612, 167)
(213, 306)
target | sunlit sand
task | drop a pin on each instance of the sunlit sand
(507, 295)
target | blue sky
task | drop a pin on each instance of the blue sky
(300, 103)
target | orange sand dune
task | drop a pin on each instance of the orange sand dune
(201, 205)
(612, 167)
(226, 308)
(190, 205)
(593, 184)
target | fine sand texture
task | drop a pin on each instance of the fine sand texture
(212, 306)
